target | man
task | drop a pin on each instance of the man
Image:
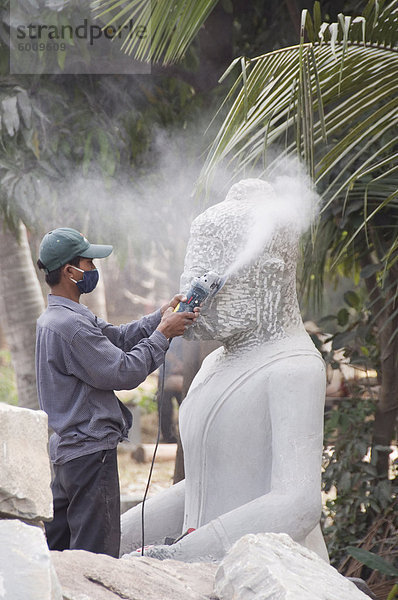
(80, 360)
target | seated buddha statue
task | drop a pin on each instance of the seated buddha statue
(251, 424)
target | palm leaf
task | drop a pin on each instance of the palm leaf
(171, 25)
(373, 561)
(346, 101)
(334, 104)
(344, 92)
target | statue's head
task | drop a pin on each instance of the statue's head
(245, 239)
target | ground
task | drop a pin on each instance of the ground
(134, 476)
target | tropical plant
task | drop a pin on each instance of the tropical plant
(21, 299)
(41, 145)
(334, 104)
(360, 506)
(357, 496)
(376, 563)
(173, 25)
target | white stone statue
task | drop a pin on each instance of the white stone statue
(252, 422)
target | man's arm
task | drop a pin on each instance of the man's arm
(93, 358)
(127, 336)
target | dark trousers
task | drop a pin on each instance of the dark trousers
(86, 505)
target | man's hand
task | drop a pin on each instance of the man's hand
(175, 323)
(173, 303)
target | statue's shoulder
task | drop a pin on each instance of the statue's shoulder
(208, 367)
(212, 358)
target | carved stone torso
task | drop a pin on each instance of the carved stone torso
(226, 428)
(243, 238)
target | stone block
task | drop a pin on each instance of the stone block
(271, 566)
(26, 571)
(88, 576)
(25, 474)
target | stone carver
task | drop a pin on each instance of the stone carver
(252, 422)
(80, 360)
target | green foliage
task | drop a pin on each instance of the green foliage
(16, 117)
(143, 396)
(373, 561)
(8, 386)
(332, 102)
(376, 563)
(394, 593)
(148, 402)
(315, 101)
(360, 494)
(102, 130)
(355, 333)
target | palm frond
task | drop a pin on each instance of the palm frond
(333, 103)
(357, 109)
(169, 25)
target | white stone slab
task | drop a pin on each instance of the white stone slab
(271, 566)
(87, 576)
(25, 474)
(26, 571)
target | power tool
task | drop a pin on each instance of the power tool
(201, 288)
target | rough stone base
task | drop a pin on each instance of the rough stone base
(25, 467)
(87, 576)
(26, 572)
(271, 566)
(363, 586)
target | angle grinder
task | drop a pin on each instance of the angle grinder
(202, 288)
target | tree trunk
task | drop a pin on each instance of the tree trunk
(21, 302)
(387, 406)
(3, 340)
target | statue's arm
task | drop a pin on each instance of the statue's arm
(293, 505)
(164, 517)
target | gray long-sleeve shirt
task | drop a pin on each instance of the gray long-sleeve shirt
(80, 360)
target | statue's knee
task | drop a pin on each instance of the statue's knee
(311, 510)
(131, 530)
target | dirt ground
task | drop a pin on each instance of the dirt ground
(133, 476)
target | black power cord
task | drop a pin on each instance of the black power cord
(160, 402)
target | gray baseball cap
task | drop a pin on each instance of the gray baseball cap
(62, 244)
